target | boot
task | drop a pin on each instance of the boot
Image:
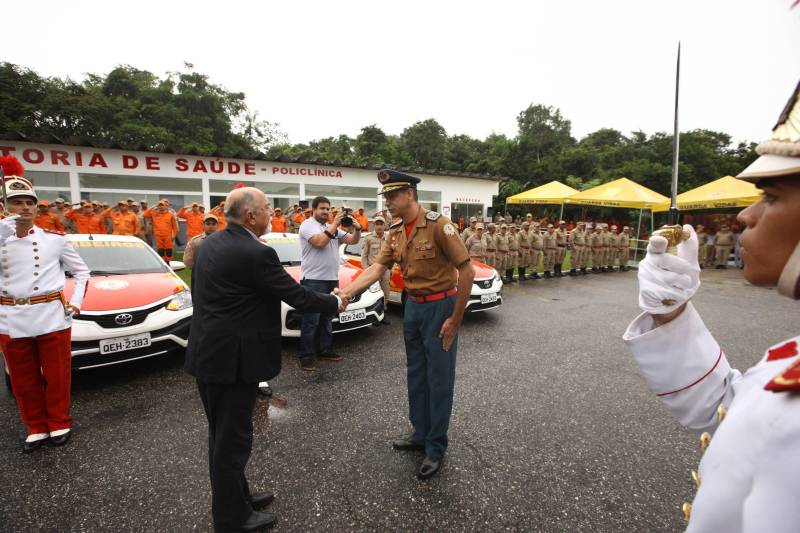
(558, 271)
(536, 275)
(510, 275)
(573, 272)
(583, 271)
(521, 274)
(547, 274)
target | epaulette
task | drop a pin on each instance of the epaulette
(432, 215)
(396, 224)
(788, 380)
(54, 232)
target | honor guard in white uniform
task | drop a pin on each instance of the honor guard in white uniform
(748, 423)
(35, 316)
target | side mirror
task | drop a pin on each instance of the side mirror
(177, 265)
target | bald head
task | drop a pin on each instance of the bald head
(248, 207)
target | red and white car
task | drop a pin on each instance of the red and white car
(363, 311)
(487, 288)
(135, 305)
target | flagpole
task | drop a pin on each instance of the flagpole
(673, 206)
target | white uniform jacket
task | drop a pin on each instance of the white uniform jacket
(34, 265)
(749, 476)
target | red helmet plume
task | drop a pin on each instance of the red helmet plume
(11, 166)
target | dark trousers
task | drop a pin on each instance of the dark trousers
(431, 373)
(229, 409)
(316, 330)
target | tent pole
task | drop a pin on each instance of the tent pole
(638, 234)
(561, 216)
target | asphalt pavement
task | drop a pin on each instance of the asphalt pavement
(553, 428)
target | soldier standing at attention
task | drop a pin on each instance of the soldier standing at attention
(370, 249)
(123, 221)
(561, 245)
(613, 248)
(537, 246)
(593, 241)
(278, 222)
(47, 220)
(476, 244)
(491, 247)
(625, 249)
(605, 247)
(86, 220)
(209, 227)
(578, 263)
(550, 250)
(438, 279)
(469, 231)
(165, 228)
(524, 249)
(723, 245)
(702, 237)
(513, 252)
(195, 220)
(501, 243)
(35, 316)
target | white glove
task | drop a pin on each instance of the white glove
(8, 227)
(667, 281)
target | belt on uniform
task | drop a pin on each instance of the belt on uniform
(526, 247)
(491, 249)
(33, 300)
(561, 245)
(433, 297)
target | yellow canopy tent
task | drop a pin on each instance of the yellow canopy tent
(553, 193)
(621, 193)
(719, 194)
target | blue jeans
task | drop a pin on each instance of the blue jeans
(431, 373)
(316, 330)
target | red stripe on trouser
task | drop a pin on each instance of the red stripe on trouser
(40, 376)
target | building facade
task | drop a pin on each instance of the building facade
(78, 173)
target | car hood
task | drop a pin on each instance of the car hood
(347, 273)
(105, 293)
(482, 271)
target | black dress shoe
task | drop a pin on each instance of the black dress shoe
(259, 500)
(30, 447)
(257, 521)
(330, 356)
(265, 391)
(408, 445)
(60, 440)
(429, 467)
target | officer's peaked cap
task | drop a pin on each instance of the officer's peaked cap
(393, 180)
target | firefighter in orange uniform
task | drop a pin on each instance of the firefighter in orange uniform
(86, 220)
(362, 219)
(47, 220)
(165, 228)
(194, 220)
(219, 212)
(279, 221)
(35, 317)
(123, 220)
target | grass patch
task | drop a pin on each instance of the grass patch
(186, 273)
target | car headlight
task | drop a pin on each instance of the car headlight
(181, 301)
(375, 287)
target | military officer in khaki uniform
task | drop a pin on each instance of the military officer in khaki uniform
(491, 247)
(561, 244)
(578, 240)
(702, 237)
(370, 249)
(512, 260)
(438, 279)
(605, 244)
(501, 244)
(593, 241)
(723, 245)
(624, 249)
(469, 231)
(477, 243)
(613, 248)
(524, 249)
(550, 250)
(537, 249)
(209, 227)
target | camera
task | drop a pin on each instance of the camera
(347, 219)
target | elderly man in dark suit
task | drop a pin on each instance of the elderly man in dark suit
(235, 342)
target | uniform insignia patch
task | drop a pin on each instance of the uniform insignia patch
(432, 215)
(396, 224)
(449, 230)
(788, 380)
(782, 352)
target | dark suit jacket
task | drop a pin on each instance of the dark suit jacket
(237, 287)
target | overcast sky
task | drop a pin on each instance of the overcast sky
(325, 68)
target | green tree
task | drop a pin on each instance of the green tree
(426, 143)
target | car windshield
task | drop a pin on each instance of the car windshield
(288, 249)
(117, 257)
